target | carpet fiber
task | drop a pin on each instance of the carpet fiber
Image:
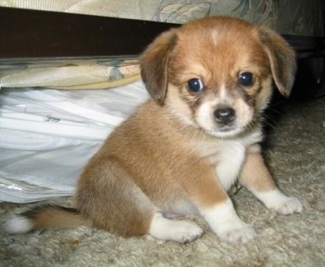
(295, 153)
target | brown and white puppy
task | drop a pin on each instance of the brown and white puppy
(180, 151)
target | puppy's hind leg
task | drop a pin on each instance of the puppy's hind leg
(114, 202)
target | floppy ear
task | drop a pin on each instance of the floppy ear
(282, 59)
(154, 65)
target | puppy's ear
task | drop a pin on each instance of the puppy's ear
(154, 65)
(282, 59)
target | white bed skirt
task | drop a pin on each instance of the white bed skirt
(47, 136)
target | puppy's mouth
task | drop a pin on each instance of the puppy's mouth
(225, 131)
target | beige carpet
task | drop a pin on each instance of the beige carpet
(296, 156)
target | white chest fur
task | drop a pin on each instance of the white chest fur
(230, 159)
(228, 155)
(231, 156)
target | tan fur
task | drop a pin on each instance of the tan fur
(255, 175)
(54, 217)
(167, 156)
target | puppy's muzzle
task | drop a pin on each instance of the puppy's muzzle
(224, 115)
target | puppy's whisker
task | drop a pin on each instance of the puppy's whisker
(270, 122)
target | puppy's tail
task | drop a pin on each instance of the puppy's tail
(43, 218)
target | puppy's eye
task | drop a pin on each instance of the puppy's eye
(246, 79)
(195, 85)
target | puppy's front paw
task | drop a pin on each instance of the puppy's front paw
(179, 231)
(288, 205)
(227, 225)
(236, 232)
(279, 202)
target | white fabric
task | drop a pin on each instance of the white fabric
(47, 136)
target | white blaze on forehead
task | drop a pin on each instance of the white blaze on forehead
(214, 36)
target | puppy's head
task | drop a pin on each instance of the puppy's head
(217, 73)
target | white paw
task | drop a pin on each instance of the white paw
(288, 205)
(279, 202)
(179, 231)
(236, 232)
(224, 221)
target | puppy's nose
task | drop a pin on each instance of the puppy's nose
(224, 115)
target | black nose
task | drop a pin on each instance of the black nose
(224, 115)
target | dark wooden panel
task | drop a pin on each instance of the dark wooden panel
(29, 33)
(42, 34)
(303, 44)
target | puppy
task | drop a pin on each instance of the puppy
(179, 153)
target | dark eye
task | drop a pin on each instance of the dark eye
(246, 79)
(195, 85)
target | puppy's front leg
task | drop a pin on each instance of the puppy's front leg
(217, 209)
(256, 177)
(225, 222)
